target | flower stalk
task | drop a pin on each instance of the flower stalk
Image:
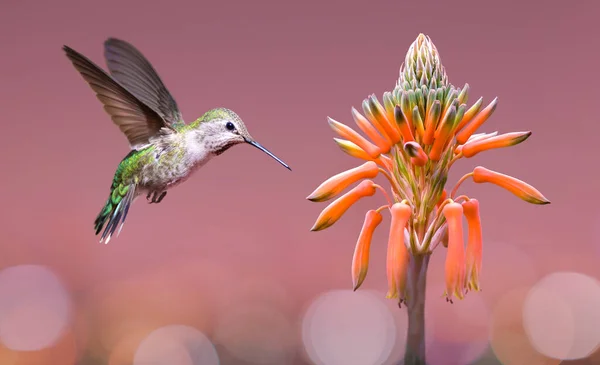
(419, 131)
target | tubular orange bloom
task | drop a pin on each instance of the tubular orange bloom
(418, 122)
(474, 243)
(397, 252)
(389, 105)
(455, 258)
(442, 134)
(360, 260)
(517, 187)
(350, 134)
(469, 114)
(334, 211)
(405, 105)
(335, 184)
(352, 149)
(378, 113)
(477, 121)
(418, 157)
(382, 141)
(403, 125)
(472, 148)
(431, 122)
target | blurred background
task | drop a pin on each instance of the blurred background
(225, 270)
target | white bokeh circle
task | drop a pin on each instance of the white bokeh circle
(350, 328)
(561, 315)
(35, 308)
(176, 345)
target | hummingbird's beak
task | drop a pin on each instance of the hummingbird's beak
(257, 145)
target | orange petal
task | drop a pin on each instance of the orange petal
(403, 125)
(335, 184)
(479, 119)
(335, 210)
(360, 260)
(469, 114)
(472, 148)
(455, 258)
(418, 157)
(418, 122)
(431, 122)
(352, 149)
(382, 142)
(397, 252)
(442, 134)
(350, 134)
(515, 186)
(474, 243)
(378, 113)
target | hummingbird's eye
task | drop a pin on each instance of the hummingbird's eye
(229, 126)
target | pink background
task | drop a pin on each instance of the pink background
(238, 230)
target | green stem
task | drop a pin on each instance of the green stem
(417, 280)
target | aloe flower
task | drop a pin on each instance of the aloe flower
(414, 135)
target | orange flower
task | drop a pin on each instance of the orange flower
(352, 149)
(376, 112)
(335, 210)
(418, 122)
(402, 122)
(348, 133)
(360, 260)
(469, 114)
(423, 128)
(515, 186)
(455, 258)
(442, 134)
(433, 116)
(472, 148)
(381, 140)
(418, 157)
(397, 253)
(474, 243)
(335, 184)
(479, 119)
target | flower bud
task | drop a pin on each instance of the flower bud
(381, 140)
(517, 187)
(474, 243)
(360, 260)
(335, 184)
(472, 148)
(397, 252)
(334, 211)
(351, 135)
(477, 121)
(455, 258)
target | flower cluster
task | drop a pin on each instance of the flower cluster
(422, 128)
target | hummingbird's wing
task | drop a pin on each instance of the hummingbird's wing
(132, 70)
(136, 120)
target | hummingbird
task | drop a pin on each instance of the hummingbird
(165, 150)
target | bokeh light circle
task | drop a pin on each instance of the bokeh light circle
(350, 328)
(508, 339)
(176, 345)
(560, 315)
(35, 308)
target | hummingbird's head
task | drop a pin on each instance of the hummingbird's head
(222, 129)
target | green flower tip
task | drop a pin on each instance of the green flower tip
(422, 66)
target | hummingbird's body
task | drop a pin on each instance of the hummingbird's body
(164, 150)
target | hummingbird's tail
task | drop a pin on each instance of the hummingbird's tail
(114, 212)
